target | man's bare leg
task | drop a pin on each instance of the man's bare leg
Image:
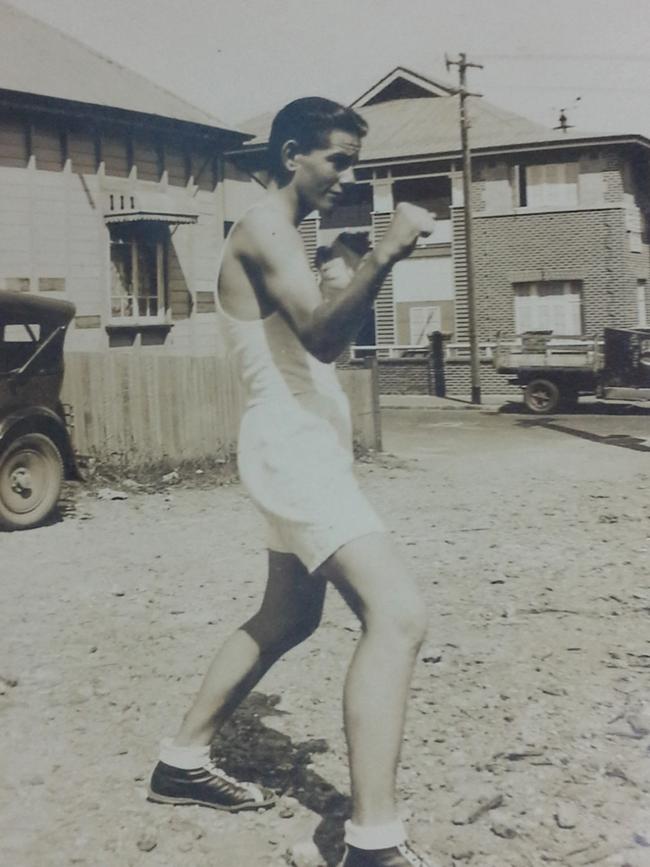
(290, 611)
(376, 584)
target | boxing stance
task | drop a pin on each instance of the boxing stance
(284, 332)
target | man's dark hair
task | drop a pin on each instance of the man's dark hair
(309, 121)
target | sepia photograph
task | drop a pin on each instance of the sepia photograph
(324, 433)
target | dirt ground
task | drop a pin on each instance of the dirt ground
(528, 737)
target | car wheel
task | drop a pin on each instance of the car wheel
(31, 474)
(541, 396)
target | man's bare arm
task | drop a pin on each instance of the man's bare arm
(326, 327)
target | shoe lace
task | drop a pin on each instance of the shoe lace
(411, 856)
(253, 790)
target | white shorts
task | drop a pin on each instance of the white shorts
(299, 472)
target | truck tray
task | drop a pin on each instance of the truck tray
(581, 355)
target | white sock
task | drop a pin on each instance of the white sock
(184, 758)
(375, 836)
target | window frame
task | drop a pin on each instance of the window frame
(433, 312)
(569, 288)
(135, 240)
(524, 187)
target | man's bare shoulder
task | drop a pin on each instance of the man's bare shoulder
(264, 233)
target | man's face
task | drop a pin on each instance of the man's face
(323, 172)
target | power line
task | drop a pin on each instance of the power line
(596, 88)
(573, 58)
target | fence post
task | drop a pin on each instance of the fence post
(371, 364)
(437, 364)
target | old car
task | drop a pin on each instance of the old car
(36, 453)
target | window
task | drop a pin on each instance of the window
(434, 194)
(423, 280)
(354, 211)
(422, 322)
(553, 185)
(17, 345)
(138, 272)
(423, 294)
(552, 305)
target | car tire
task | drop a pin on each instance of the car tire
(31, 475)
(541, 396)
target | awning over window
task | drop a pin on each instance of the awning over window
(130, 206)
(149, 217)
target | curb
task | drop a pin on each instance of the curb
(428, 402)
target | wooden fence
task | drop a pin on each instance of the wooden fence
(136, 409)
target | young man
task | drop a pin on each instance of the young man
(295, 459)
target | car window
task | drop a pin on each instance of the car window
(21, 333)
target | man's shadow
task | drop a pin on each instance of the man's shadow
(249, 750)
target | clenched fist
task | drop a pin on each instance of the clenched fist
(409, 223)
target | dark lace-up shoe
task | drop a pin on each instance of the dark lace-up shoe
(207, 786)
(396, 856)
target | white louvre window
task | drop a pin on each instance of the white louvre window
(552, 305)
(422, 322)
(138, 274)
(554, 185)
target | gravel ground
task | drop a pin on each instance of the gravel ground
(528, 739)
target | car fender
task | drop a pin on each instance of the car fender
(41, 419)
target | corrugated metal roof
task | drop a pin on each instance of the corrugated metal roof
(38, 59)
(417, 127)
(409, 127)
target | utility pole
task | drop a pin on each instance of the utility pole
(462, 63)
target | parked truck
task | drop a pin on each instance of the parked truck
(553, 372)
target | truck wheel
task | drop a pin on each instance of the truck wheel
(541, 396)
(31, 475)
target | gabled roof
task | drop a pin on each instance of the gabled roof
(39, 60)
(403, 83)
(404, 123)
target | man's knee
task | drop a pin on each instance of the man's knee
(402, 618)
(280, 634)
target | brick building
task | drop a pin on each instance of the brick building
(560, 238)
(111, 193)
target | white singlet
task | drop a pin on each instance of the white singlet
(295, 442)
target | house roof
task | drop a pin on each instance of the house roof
(412, 127)
(39, 60)
(409, 126)
(402, 82)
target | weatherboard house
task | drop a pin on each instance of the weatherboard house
(111, 194)
(559, 225)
